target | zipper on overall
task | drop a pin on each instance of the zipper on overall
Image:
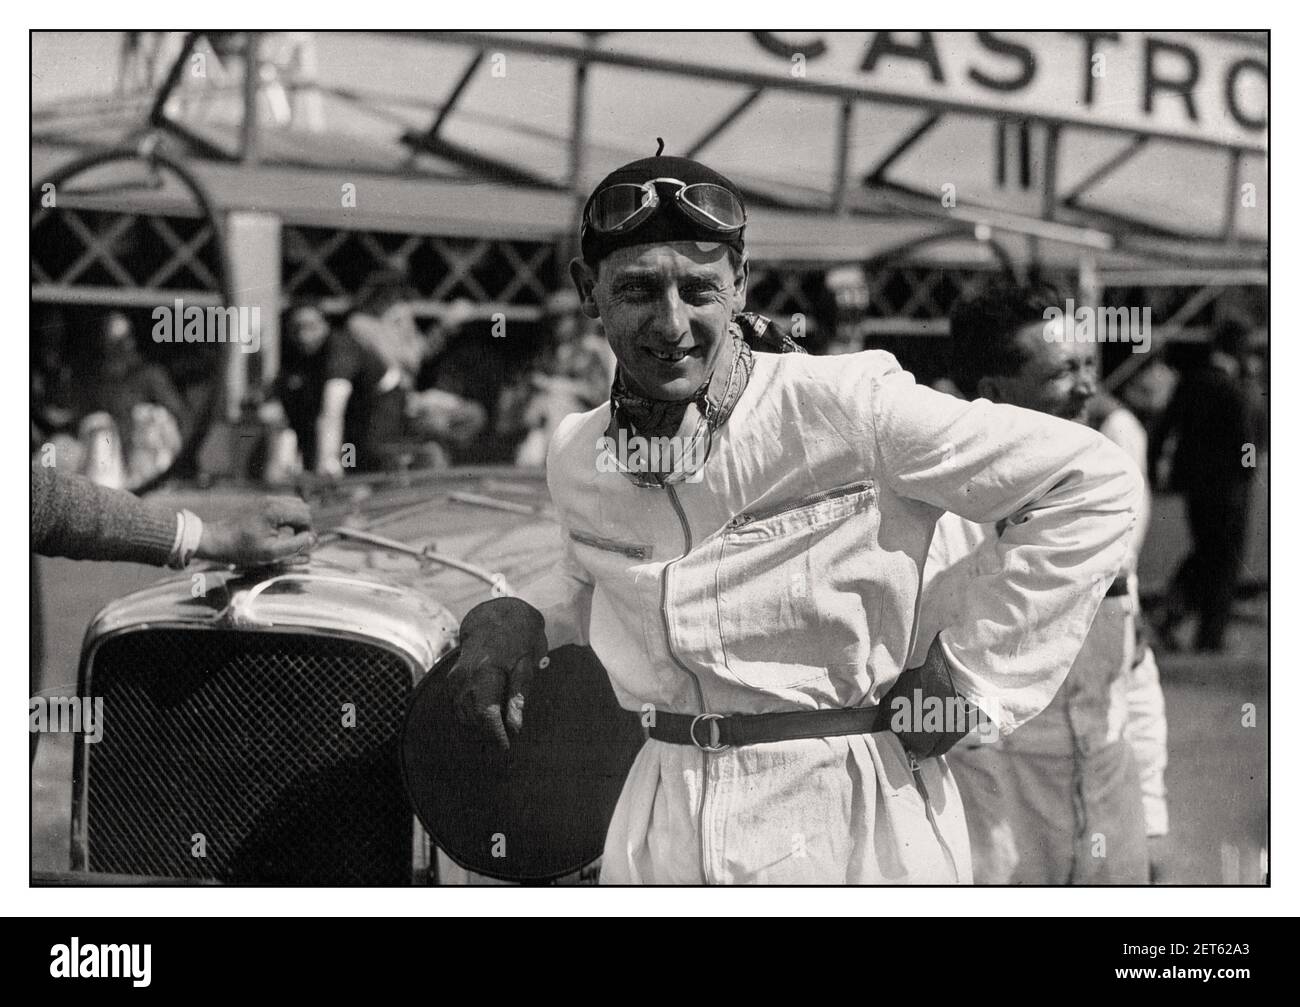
(699, 690)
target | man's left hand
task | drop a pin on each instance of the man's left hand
(932, 680)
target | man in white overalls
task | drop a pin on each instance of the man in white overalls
(744, 541)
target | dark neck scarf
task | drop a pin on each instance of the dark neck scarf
(693, 421)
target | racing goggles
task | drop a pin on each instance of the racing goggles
(625, 206)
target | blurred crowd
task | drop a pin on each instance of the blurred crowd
(104, 410)
(371, 390)
(379, 389)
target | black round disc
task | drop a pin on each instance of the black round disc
(540, 810)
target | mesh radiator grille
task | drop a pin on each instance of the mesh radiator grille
(240, 738)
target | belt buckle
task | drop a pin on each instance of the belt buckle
(715, 734)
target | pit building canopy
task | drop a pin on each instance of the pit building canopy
(1144, 152)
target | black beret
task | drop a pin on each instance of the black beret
(668, 223)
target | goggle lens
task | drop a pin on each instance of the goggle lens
(719, 204)
(613, 208)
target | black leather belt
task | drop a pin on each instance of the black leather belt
(714, 732)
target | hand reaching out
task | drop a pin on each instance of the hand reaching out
(278, 531)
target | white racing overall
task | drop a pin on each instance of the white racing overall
(788, 578)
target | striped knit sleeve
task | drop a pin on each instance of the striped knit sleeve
(74, 517)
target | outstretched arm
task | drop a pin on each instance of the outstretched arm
(78, 519)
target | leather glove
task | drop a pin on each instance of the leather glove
(502, 642)
(933, 681)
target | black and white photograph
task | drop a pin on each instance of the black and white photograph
(563, 459)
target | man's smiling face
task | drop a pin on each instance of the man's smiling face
(665, 310)
(1058, 376)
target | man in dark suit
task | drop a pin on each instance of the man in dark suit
(1217, 425)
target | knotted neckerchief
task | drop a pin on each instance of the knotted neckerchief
(638, 415)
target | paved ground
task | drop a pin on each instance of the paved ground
(1218, 767)
(1217, 776)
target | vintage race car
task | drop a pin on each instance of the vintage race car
(253, 718)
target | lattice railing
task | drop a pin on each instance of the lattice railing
(920, 291)
(901, 297)
(511, 275)
(92, 256)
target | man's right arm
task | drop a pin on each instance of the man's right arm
(564, 595)
(503, 640)
(329, 427)
(1122, 428)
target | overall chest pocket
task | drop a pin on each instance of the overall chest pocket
(796, 599)
(628, 550)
